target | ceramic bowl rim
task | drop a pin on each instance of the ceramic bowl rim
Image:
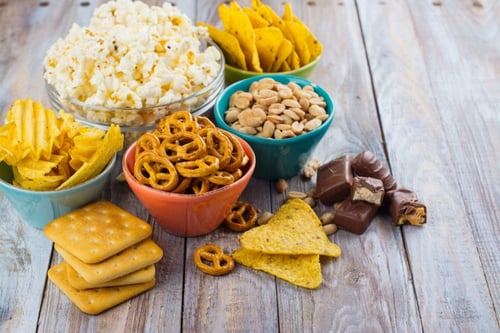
(130, 177)
(291, 72)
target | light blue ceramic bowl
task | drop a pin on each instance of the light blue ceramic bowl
(277, 158)
(38, 208)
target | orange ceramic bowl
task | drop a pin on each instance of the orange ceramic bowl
(188, 214)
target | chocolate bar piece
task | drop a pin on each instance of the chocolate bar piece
(354, 216)
(405, 208)
(368, 165)
(368, 189)
(334, 180)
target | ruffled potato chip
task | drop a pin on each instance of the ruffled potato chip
(30, 131)
(294, 229)
(47, 152)
(300, 270)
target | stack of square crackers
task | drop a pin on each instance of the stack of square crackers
(109, 256)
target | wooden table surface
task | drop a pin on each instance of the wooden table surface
(416, 82)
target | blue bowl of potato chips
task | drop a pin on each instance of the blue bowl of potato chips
(38, 208)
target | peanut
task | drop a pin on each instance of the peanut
(330, 229)
(281, 185)
(264, 218)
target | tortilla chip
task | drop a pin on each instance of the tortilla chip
(268, 14)
(229, 45)
(268, 41)
(300, 270)
(306, 44)
(284, 51)
(293, 60)
(254, 17)
(237, 23)
(299, 37)
(294, 229)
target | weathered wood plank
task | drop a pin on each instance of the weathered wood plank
(369, 287)
(466, 86)
(244, 300)
(446, 268)
(24, 250)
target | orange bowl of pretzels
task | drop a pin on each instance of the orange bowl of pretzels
(188, 173)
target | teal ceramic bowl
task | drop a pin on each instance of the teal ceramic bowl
(38, 208)
(277, 158)
(234, 74)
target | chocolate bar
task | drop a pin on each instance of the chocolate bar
(334, 180)
(354, 216)
(368, 189)
(405, 208)
(368, 165)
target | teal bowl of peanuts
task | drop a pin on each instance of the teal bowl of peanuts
(283, 118)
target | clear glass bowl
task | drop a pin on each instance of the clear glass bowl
(135, 121)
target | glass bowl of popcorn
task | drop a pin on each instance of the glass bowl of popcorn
(133, 119)
(133, 65)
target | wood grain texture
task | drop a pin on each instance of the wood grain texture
(416, 82)
(447, 268)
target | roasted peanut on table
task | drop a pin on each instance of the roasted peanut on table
(271, 109)
(311, 167)
(264, 218)
(330, 229)
(281, 185)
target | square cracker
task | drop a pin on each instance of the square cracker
(142, 275)
(95, 301)
(97, 231)
(132, 259)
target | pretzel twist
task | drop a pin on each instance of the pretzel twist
(183, 146)
(237, 155)
(210, 259)
(156, 171)
(201, 167)
(180, 121)
(241, 217)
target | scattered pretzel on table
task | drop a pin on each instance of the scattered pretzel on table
(241, 217)
(210, 259)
